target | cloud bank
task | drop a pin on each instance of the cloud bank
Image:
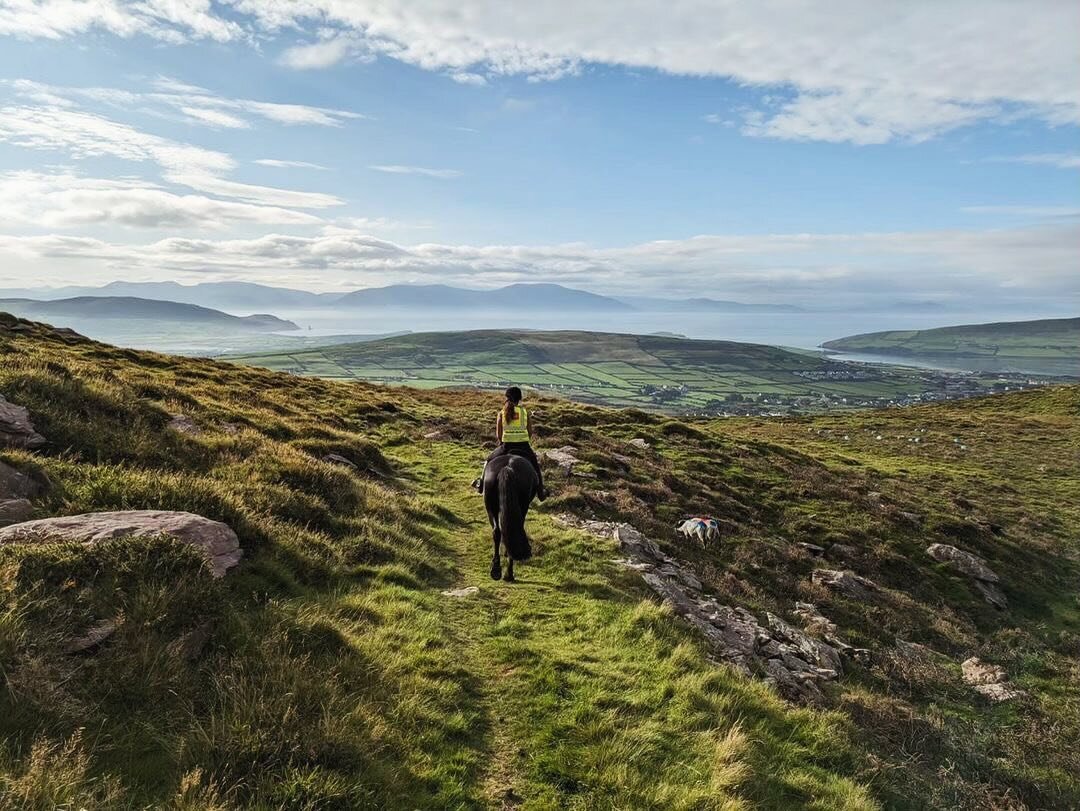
(824, 270)
(861, 71)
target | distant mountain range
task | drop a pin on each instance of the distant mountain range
(74, 311)
(248, 296)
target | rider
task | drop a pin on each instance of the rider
(514, 429)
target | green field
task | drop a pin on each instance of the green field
(1053, 339)
(613, 369)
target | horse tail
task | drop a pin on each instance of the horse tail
(512, 516)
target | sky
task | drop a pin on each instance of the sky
(858, 153)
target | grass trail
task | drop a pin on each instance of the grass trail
(596, 698)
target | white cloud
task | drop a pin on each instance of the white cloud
(830, 269)
(319, 55)
(67, 200)
(264, 195)
(197, 104)
(1059, 160)
(215, 118)
(81, 135)
(397, 169)
(865, 71)
(283, 164)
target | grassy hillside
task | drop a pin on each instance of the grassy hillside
(1048, 338)
(336, 675)
(611, 369)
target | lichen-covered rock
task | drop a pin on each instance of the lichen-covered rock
(988, 680)
(846, 582)
(564, 458)
(215, 539)
(963, 562)
(976, 671)
(16, 429)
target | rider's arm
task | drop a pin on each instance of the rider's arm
(498, 427)
(529, 426)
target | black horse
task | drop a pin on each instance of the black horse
(510, 483)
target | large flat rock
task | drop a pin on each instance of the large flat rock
(216, 540)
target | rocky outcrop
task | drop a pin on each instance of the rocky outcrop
(795, 661)
(846, 582)
(989, 680)
(964, 562)
(16, 429)
(983, 577)
(564, 458)
(215, 539)
(14, 511)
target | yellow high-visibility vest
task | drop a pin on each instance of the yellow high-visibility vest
(517, 429)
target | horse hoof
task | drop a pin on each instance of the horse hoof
(509, 578)
(496, 573)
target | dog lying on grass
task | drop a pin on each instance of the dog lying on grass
(703, 527)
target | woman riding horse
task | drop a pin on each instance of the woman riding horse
(514, 431)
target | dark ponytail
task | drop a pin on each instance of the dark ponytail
(513, 397)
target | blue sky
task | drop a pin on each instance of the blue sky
(749, 151)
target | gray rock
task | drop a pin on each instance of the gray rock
(846, 582)
(14, 511)
(94, 636)
(989, 680)
(999, 691)
(338, 459)
(976, 671)
(963, 562)
(16, 484)
(841, 551)
(463, 592)
(797, 664)
(215, 539)
(16, 429)
(564, 458)
(183, 424)
(640, 443)
(992, 594)
(811, 548)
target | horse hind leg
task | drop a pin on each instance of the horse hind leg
(496, 564)
(509, 578)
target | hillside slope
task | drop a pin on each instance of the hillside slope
(679, 374)
(1047, 338)
(335, 674)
